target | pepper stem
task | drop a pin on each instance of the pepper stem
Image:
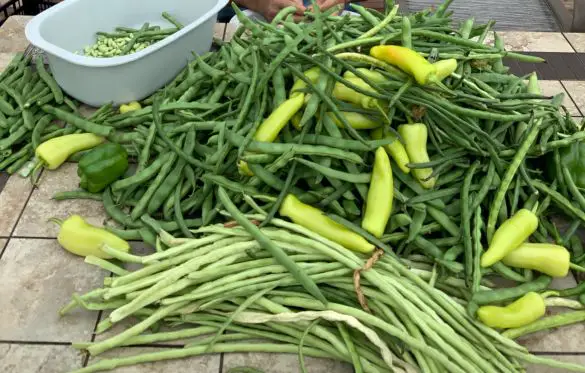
(34, 173)
(57, 221)
(566, 303)
(576, 267)
(535, 207)
(550, 293)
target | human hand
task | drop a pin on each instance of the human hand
(326, 4)
(270, 8)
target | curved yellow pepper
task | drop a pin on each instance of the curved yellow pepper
(54, 152)
(132, 106)
(315, 220)
(509, 236)
(396, 150)
(311, 74)
(345, 93)
(380, 195)
(357, 120)
(552, 260)
(523, 311)
(445, 68)
(80, 238)
(408, 61)
(372, 75)
(415, 141)
(271, 127)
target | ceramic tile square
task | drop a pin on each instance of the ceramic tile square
(577, 91)
(20, 358)
(553, 87)
(577, 41)
(5, 59)
(42, 207)
(199, 364)
(12, 38)
(219, 30)
(574, 359)
(282, 363)
(520, 41)
(12, 201)
(38, 277)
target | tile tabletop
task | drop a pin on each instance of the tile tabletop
(38, 277)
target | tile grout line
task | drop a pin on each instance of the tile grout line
(221, 362)
(572, 99)
(19, 217)
(93, 335)
(36, 343)
(568, 41)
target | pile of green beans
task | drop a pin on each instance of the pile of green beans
(224, 280)
(126, 40)
(24, 90)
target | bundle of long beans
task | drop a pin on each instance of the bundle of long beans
(23, 124)
(225, 281)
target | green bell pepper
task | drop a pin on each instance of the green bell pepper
(572, 159)
(102, 166)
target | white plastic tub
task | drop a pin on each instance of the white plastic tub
(71, 25)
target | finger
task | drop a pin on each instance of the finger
(326, 4)
(299, 5)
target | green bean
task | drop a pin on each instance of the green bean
(144, 175)
(14, 137)
(18, 164)
(270, 179)
(415, 186)
(327, 100)
(77, 194)
(49, 81)
(6, 108)
(501, 295)
(14, 63)
(173, 179)
(362, 178)
(561, 201)
(573, 189)
(508, 176)
(116, 213)
(416, 224)
(172, 20)
(302, 149)
(78, 122)
(281, 257)
(143, 204)
(406, 33)
(444, 220)
(466, 217)
(176, 150)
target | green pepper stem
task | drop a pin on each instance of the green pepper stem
(34, 173)
(563, 302)
(535, 207)
(550, 293)
(576, 267)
